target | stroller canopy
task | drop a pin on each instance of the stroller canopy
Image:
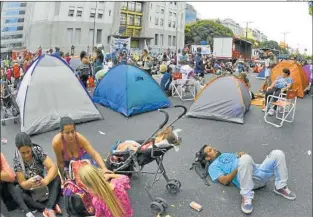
(50, 91)
(224, 99)
(130, 90)
(300, 79)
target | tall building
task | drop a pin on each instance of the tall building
(86, 24)
(235, 27)
(12, 25)
(191, 14)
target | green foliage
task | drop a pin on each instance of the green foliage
(205, 30)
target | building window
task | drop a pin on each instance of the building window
(151, 5)
(11, 28)
(169, 40)
(131, 6)
(171, 14)
(130, 19)
(78, 32)
(161, 22)
(124, 5)
(92, 13)
(70, 35)
(157, 9)
(123, 19)
(174, 40)
(174, 24)
(109, 13)
(138, 21)
(137, 32)
(162, 10)
(162, 39)
(17, 12)
(156, 39)
(5, 37)
(79, 12)
(138, 7)
(71, 12)
(99, 36)
(156, 21)
(100, 14)
(174, 15)
(169, 23)
(14, 20)
(174, 3)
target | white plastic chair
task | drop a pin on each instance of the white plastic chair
(185, 89)
(286, 106)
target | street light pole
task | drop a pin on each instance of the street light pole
(178, 13)
(94, 27)
(285, 33)
(246, 49)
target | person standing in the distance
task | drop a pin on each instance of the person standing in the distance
(124, 54)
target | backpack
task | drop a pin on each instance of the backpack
(201, 165)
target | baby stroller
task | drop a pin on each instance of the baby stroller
(131, 162)
(8, 104)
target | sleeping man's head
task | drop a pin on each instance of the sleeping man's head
(210, 153)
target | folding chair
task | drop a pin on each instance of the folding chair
(286, 106)
(185, 89)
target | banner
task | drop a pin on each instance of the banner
(117, 43)
(205, 49)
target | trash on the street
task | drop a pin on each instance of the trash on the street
(4, 141)
(309, 152)
(264, 144)
(173, 205)
(196, 206)
(102, 133)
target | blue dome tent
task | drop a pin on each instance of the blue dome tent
(130, 90)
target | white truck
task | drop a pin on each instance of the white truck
(231, 48)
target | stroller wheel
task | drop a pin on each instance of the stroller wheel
(3, 123)
(15, 121)
(156, 208)
(173, 186)
(161, 201)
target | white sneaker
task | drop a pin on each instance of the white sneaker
(271, 112)
(30, 214)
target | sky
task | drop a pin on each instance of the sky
(271, 18)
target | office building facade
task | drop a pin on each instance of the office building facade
(12, 26)
(235, 27)
(83, 25)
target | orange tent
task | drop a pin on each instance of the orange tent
(296, 72)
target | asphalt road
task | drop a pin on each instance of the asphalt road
(254, 137)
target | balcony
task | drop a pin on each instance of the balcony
(131, 32)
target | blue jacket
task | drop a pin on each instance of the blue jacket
(166, 81)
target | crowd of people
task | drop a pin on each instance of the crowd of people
(36, 182)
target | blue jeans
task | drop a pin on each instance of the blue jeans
(253, 176)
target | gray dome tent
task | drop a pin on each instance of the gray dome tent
(224, 98)
(49, 91)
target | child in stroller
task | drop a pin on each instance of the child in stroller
(130, 157)
(8, 103)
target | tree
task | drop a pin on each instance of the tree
(205, 30)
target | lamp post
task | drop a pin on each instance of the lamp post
(285, 33)
(94, 27)
(246, 49)
(177, 29)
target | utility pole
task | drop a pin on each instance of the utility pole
(181, 20)
(285, 33)
(94, 27)
(246, 49)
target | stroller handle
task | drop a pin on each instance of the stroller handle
(183, 113)
(166, 118)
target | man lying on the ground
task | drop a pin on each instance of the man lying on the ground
(240, 169)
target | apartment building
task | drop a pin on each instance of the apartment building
(235, 27)
(83, 25)
(12, 25)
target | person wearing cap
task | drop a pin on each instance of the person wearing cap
(166, 78)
